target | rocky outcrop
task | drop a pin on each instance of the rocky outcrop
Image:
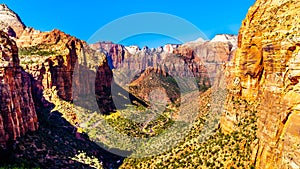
(9, 20)
(266, 69)
(17, 109)
(211, 55)
(103, 88)
(55, 64)
(68, 65)
(155, 79)
(55, 55)
(116, 55)
(52, 58)
(169, 48)
(105, 45)
(132, 49)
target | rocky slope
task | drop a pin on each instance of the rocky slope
(10, 22)
(266, 69)
(17, 108)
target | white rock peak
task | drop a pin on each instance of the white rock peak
(9, 18)
(4, 7)
(169, 48)
(197, 41)
(225, 38)
(132, 49)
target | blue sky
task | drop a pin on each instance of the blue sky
(83, 18)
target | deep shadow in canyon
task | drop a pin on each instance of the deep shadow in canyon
(54, 143)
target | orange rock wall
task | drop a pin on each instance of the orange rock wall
(267, 69)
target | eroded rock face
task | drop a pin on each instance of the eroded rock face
(54, 56)
(68, 65)
(226, 38)
(56, 67)
(156, 79)
(10, 20)
(267, 70)
(210, 55)
(17, 109)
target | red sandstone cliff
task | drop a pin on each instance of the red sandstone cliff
(17, 109)
(68, 65)
(49, 60)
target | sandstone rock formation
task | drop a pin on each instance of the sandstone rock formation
(50, 64)
(133, 49)
(154, 79)
(55, 68)
(9, 20)
(68, 65)
(266, 69)
(17, 108)
(203, 58)
(169, 48)
(212, 55)
(51, 58)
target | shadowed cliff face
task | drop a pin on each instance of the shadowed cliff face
(49, 60)
(266, 69)
(17, 109)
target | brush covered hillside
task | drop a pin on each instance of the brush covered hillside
(231, 102)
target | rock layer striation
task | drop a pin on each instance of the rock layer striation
(266, 69)
(17, 108)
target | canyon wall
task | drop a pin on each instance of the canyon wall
(36, 66)
(266, 70)
(68, 65)
(50, 57)
(17, 108)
